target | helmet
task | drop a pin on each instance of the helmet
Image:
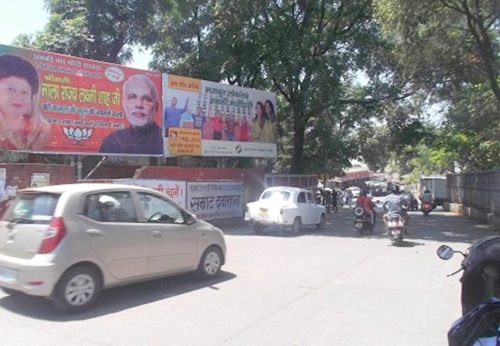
(395, 189)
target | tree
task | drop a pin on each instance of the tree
(307, 51)
(451, 49)
(445, 42)
(374, 147)
(103, 30)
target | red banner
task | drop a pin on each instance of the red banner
(55, 103)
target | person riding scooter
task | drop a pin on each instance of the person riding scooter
(426, 196)
(395, 203)
(366, 203)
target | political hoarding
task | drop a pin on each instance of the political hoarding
(203, 118)
(215, 199)
(175, 189)
(54, 103)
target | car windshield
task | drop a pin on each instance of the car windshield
(32, 208)
(276, 195)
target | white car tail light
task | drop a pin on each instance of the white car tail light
(53, 236)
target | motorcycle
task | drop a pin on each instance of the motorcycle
(362, 221)
(480, 284)
(426, 208)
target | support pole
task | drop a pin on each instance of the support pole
(96, 167)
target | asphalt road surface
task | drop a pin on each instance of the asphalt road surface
(329, 287)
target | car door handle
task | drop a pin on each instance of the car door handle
(94, 232)
(156, 234)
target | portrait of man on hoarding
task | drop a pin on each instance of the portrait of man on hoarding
(22, 127)
(140, 104)
(173, 114)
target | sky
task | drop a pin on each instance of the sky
(29, 16)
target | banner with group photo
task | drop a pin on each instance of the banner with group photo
(215, 200)
(203, 118)
(54, 103)
(175, 189)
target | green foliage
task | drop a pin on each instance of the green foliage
(102, 30)
(305, 51)
(374, 147)
(451, 49)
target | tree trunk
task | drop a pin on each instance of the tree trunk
(298, 145)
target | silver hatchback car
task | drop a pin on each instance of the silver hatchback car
(67, 242)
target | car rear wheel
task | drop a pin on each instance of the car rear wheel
(296, 226)
(77, 290)
(322, 222)
(210, 263)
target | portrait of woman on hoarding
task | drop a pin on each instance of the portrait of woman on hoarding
(262, 129)
(22, 127)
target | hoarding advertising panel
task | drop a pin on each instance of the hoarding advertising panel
(54, 103)
(215, 200)
(175, 189)
(232, 121)
(184, 141)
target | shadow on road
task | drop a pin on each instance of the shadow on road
(114, 299)
(437, 226)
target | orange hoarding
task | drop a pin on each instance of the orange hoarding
(184, 141)
(55, 103)
(184, 83)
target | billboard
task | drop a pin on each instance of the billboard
(203, 118)
(54, 103)
(215, 200)
(175, 189)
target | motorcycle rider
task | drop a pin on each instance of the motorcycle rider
(366, 203)
(395, 203)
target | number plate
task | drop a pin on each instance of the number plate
(394, 224)
(8, 275)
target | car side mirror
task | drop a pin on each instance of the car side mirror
(189, 219)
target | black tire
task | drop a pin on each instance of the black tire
(11, 292)
(85, 281)
(210, 263)
(425, 212)
(297, 225)
(257, 229)
(358, 211)
(322, 222)
(398, 240)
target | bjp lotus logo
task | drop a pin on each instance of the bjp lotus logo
(77, 134)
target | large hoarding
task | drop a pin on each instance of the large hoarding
(53, 103)
(175, 189)
(215, 200)
(203, 118)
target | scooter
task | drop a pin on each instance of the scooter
(426, 208)
(395, 228)
(362, 221)
(480, 284)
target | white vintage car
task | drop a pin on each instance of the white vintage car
(285, 206)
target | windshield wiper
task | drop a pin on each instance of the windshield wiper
(17, 220)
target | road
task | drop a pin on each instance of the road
(329, 287)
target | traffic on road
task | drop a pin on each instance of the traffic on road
(329, 286)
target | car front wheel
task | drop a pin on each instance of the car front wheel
(77, 290)
(210, 263)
